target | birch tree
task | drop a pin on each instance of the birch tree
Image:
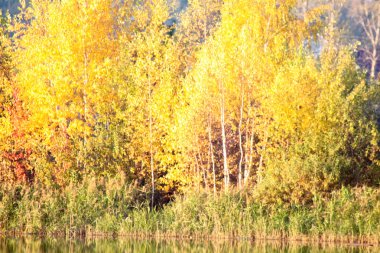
(366, 15)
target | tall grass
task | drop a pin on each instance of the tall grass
(112, 206)
(351, 215)
(91, 207)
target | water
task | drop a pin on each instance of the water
(54, 245)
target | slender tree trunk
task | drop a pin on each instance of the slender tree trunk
(261, 161)
(240, 139)
(200, 165)
(374, 56)
(202, 168)
(85, 85)
(248, 171)
(260, 169)
(205, 180)
(305, 7)
(85, 102)
(212, 154)
(208, 164)
(205, 20)
(151, 140)
(197, 172)
(224, 142)
(246, 157)
(373, 63)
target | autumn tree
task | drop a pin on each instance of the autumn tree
(64, 54)
(275, 108)
(150, 70)
(14, 149)
(230, 79)
(5, 103)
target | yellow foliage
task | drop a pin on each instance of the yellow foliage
(220, 90)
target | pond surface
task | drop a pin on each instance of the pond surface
(32, 245)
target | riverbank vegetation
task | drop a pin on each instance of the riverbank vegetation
(112, 208)
(236, 118)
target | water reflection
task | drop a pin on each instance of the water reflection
(54, 245)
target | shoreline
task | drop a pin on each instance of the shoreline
(291, 240)
(350, 216)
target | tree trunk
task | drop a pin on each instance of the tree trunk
(240, 139)
(85, 102)
(224, 142)
(261, 161)
(249, 167)
(151, 139)
(199, 165)
(85, 109)
(373, 64)
(212, 155)
(197, 172)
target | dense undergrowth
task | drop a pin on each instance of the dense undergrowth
(113, 207)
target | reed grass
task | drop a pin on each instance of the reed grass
(114, 207)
